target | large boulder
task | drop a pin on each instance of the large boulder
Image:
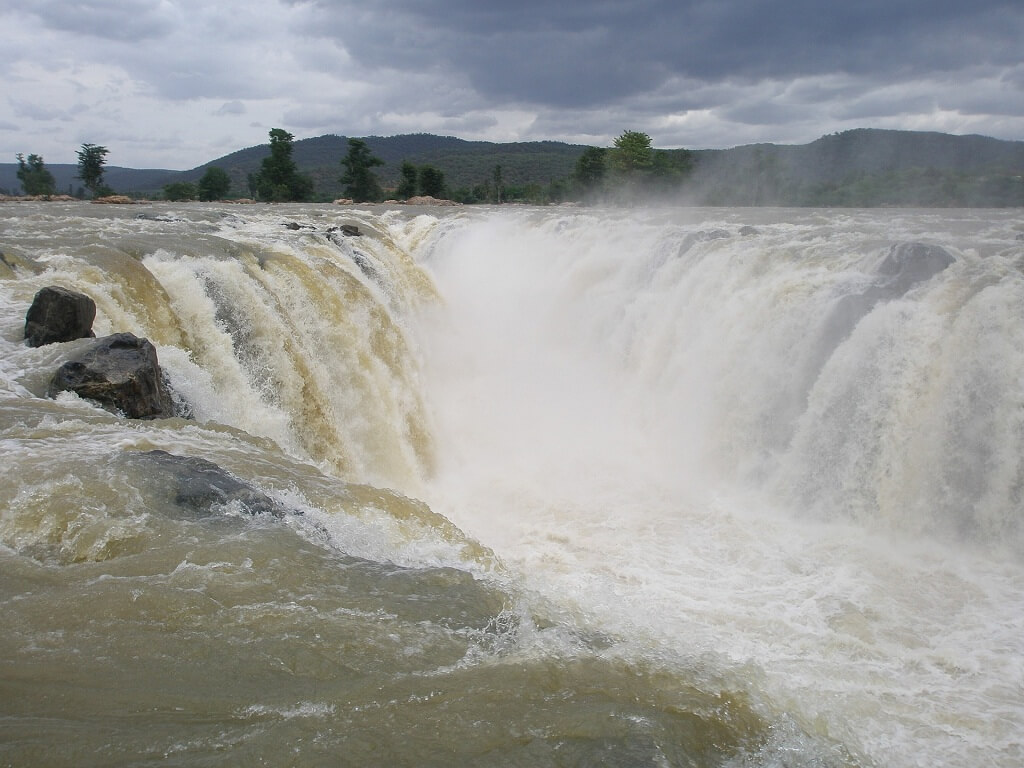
(908, 264)
(122, 374)
(905, 266)
(58, 314)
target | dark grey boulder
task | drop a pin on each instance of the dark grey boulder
(905, 266)
(908, 264)
(122, 374)
(58, 314)
(201, 488)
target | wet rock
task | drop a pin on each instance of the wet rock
(428, 200)
(908, 264)
(117, 200)
(122, 374)
(200, 487)
(58, 314)
(701, 236)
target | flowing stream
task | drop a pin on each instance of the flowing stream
(666, 487)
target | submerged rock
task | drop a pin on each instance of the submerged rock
(58, 314)
(200, 486)
(905, 266)
(121, 373)
(908, 264)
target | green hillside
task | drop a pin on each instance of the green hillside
(464, 163)
(863, 167)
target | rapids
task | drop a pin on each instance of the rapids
(564, 487)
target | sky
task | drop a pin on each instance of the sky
(178, 83)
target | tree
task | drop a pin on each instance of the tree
(279, 179)
(590, 169)
(34, 176)
(431, 181)
(360, 182)
(91, 159)
(180, 190)
(408, 185)
(215, 184)
(632, 152)
(499, 185)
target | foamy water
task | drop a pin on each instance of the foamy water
(625, 414)
(726, 496)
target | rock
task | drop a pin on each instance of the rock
(116, 200)
(200, 486)
(58, 314)
(122, 374)
(343, 201)
(908, 264)
(428, 200)
(346, 230)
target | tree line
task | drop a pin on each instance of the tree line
(629, 169)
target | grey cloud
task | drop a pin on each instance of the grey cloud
(575, 54)
(36, 111)
(231, 108)
(122, 20)
(767, 112)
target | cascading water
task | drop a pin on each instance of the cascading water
(735, 487)
(752, 435)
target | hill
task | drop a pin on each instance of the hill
(464, 163)
(862, 167)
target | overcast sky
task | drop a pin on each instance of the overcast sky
(177, 83)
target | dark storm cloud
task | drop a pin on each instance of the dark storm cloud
(578, 54)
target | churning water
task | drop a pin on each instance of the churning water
(694, 487)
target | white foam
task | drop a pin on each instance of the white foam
(627, 414)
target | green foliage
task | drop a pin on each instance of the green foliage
(91, 159)
(632, 152)
(360, 182)
(34, 177)
(214, 185)
(591, 167)
(180, 190)
(279, 180)
(408, 185)
(431, 181)
(499, 184)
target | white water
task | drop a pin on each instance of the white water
(656, 436)
(646, 415)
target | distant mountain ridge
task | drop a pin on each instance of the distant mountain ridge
(857, 167)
